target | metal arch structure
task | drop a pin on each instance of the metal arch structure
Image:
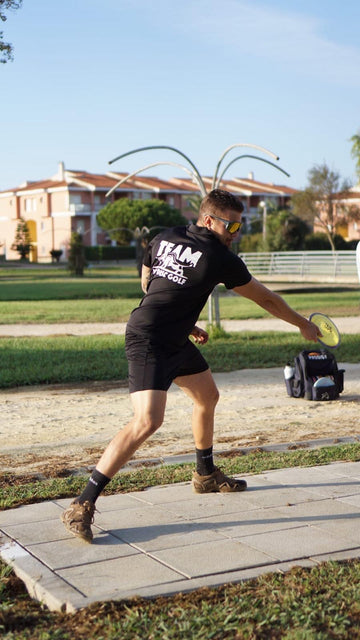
(240, 144)
(195, 170)
(193, 175)
(213, 305)
(218, 181)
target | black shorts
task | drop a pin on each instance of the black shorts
(155, 366)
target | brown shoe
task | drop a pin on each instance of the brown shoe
(77, 519)
(217, 481)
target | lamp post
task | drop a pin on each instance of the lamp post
(263, 205)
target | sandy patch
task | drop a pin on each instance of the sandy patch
(68, 426)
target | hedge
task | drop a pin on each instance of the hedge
(107, 252)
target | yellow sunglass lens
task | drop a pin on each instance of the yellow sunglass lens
(234, 227)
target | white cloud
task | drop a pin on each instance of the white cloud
(252, 28)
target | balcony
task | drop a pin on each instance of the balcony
(84, 209)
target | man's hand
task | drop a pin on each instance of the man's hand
(200, 335)
(310, 331)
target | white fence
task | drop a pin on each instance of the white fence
(300, 266)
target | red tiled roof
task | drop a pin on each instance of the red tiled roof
(99, 180)
(239, 185)
(38, 184)
(108, 180)
(184, 184)
(148, 182)
(347, 195)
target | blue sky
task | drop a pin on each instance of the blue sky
(92, 80)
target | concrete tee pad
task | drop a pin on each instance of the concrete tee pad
(167, 539)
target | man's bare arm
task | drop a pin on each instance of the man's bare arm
(276, 305)
(145, 277)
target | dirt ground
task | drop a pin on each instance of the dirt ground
(62, 429)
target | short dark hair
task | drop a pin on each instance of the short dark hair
(220, 200)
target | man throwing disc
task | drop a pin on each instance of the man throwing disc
(181, 267)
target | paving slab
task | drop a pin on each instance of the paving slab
(166, 540)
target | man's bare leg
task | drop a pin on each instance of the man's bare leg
(201, 388)
(149, 409)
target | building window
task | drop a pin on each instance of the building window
(75, 198)
(30, 205)
(142, 195)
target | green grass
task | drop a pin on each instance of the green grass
(108, 295)
(28, 361)
(111, 304)
(304, 604)
(335, 303)
(321, 603)
(68, 311)
(65, 289)
(60, 359)
(13, 494)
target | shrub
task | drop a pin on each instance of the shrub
(108, 252)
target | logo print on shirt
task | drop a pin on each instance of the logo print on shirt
(173, 259)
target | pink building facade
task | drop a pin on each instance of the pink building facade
(70, 201)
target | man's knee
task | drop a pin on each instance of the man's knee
(146, 425)
(214, 396)
(209, 399)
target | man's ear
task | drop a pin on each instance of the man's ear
(207, 220)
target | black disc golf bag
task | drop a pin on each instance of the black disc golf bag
(315, 376)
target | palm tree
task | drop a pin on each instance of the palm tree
(355, 152)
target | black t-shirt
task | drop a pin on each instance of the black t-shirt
(186, 264)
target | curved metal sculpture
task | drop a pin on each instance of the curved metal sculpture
(156, 164)
(196, 171)
(247, 156)
(213, 305)
(240, 144)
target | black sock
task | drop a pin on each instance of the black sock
(204, 461)
(97, 482)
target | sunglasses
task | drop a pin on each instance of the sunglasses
(231, 227)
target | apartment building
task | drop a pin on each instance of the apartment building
(71, 199)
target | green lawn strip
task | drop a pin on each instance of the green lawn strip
(68, 311)
(337, 303)
(61, 359)
(33, 273)
(71, 289)
(112, 301)
(321, 603)
(304, 604)
(29, 361)
(13, 494)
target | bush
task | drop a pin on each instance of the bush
(107, 252)
(56, 254)
(319, 242)
(76, 261)
(251, 243)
